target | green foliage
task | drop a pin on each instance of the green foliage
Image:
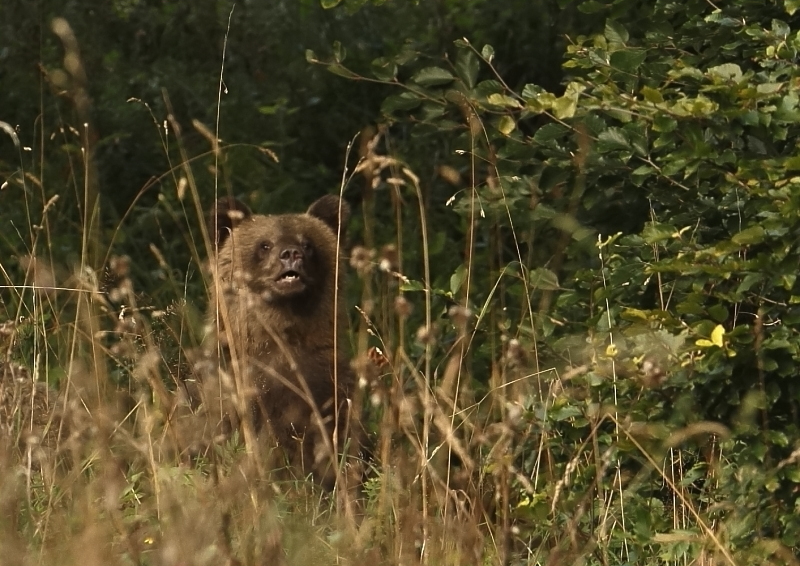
(673, 147)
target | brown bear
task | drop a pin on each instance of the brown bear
(278, 325)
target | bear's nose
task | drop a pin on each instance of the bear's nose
(291, 254)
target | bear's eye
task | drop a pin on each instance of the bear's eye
(265, 246)
(307, 247)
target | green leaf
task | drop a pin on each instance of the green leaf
(432, 76)
(753, 235)
(407, 55)
(467, 66)
(615, 32)
(328, 4)
(769, 88)
(544, 279)
(431, 111)
(280, 106)
(726, 72)
(656, 232)
(549, 178)
(404, 101)
(791, 6)
(483, 89)
(412, 285)
(384, 69)
(488, 52)
(640, 173)
(339, 52)
(663, 123)
(652, 95)
(549, 132)
(611, 139)
(564, 413)
(718, 313)
(457, 278)
(719, 18)
(591, 7)
(781, 29)
(749, 280)
(340, 70)
(532, 91)
(627, 60)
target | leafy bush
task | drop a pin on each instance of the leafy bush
(671, 154)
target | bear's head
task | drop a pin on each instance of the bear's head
(282, 258)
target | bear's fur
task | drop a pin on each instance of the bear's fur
(275, 325)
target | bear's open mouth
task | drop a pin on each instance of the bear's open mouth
(288, 277)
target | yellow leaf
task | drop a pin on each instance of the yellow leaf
(507, 125)
(503, 100)
(635, 313)
(611, 351)
(717, 334)
(703, 343)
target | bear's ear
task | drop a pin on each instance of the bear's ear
(223, 217)
(330, 209)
